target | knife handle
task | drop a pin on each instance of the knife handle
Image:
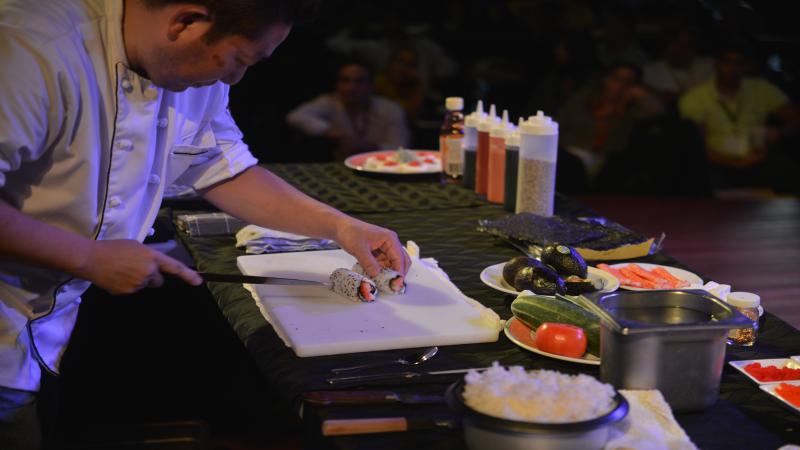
(327, 398)
(342, 427)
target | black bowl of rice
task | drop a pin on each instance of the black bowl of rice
(517, 409)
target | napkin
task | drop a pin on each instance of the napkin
(257, 240)
(649, 424)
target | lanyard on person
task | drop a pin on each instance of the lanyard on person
(731, 114)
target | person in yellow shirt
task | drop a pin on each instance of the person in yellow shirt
(741, 118)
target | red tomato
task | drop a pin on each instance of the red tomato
(561, 339)
(415, 164)
(390, 163)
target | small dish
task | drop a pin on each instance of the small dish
(388, 162)
(685, 275)
(520, 334)
(770, 389)
(778, 362)
(492, 276)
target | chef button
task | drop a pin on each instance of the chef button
(154, 178)
(114, 202)
(125, 144)
(126, 84)
(163, 122)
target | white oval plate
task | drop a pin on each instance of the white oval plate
(520, 334)
(492, 276)
(359, 161)
(674, 271)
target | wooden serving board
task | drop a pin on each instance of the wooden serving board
(314, 321)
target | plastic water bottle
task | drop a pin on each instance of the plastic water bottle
(536, 177)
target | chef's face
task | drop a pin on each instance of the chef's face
(192, 61)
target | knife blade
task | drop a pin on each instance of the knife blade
(343, 427)
(253, 279)
(331, 398)
(397, 375)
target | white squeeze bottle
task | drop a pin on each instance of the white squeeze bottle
(536, 175)
(471, 144)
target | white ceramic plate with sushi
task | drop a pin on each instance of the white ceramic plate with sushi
(771, 389)
(777, 362)
(685, 275)
(492, 276)
(520, 334)
(396, 162)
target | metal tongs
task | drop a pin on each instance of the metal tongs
(594, 308)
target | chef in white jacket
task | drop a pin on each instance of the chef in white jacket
(103, 103)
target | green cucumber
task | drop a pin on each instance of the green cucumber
(534, 310)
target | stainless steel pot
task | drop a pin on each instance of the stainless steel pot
(671, 340)
(485, 432)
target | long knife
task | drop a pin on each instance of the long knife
(397, 375)
(253, 279)
(342, 427)
(331, 398)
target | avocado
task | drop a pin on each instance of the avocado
(565, 260)
(539, 278)
(513, 266)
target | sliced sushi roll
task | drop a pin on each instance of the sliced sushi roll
(387, 280)
(352, 285)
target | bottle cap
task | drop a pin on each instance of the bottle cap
(743, 299)
(454, 103)
(513, 139)
(471, 120)
(486, 123)
(539, 124)
(501, 129)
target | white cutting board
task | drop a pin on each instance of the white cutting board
(315, 321)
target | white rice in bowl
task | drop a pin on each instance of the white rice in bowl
(541, 396)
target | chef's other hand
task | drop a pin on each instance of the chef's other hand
(125, 266)
(374, 247)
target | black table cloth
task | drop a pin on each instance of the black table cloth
(444, 224)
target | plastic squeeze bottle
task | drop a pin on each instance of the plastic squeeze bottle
(536, 176)
(497, 160)
(470, 144)
(451, 136)
(482, 161)
(512, 166)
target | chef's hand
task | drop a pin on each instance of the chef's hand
(374, 247)
(125, 266)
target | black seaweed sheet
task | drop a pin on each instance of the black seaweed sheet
(592, 233)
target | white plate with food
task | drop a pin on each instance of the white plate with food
(492, 276)
(396, 162)
(783, 391)
(520, 334)
(645, 276)
(778, 363)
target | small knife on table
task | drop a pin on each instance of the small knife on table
(333, 398)
(397, 375)
(343, 427)
(253, 279)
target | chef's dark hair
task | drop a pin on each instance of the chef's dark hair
(249, 18)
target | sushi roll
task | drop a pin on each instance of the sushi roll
(352, 285)
(387, 280)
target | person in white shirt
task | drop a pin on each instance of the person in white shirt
(104, 103)
(352, 117)
(679, 69)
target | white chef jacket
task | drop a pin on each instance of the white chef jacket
(88, 145)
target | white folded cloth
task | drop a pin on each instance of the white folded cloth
(721, 291)
(649, 425)
(257, 240)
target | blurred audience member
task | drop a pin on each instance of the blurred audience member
(401, 82)
(574, 62)
(598, 119)
(679, 69)
(352, 118)
(619, 45)
(743, 120)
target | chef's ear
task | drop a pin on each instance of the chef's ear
(188, 21)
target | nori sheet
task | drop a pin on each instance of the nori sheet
(586, 232)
